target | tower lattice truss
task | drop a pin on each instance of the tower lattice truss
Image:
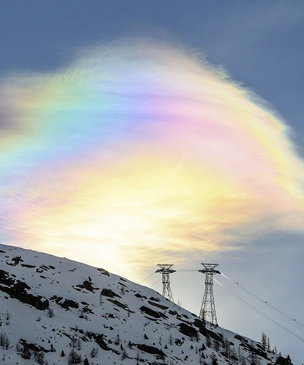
(165, 270)
(208, 312)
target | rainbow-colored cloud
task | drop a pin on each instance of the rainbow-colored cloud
(140, 149)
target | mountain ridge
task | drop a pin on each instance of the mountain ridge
(58, 311)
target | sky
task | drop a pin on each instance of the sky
(136, 133)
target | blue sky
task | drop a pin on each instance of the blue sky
(260, 44)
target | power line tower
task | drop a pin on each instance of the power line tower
(207, 312)
(165, 270)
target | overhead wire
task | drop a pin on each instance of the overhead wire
(148, 277)
(261, 313)
(264, 302)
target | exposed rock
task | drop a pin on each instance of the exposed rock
(151, 350)
(19, 290)
(240, 338)
(87, 285)
(65, 303)
(282, 361)
(28, 266)
(152, 313)
(100, 342)
(116, 302)
(158, 305)
(187, 330)
(214, 335)
(32, 346)
(109, 293)
(155, 299)
(140, 296)
(103, 271)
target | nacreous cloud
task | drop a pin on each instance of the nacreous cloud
(140, 150)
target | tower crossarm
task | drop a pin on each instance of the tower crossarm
(212, 272)
(165, 268)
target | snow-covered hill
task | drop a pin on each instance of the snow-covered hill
(57, 311)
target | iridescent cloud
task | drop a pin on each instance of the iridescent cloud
(139, 150)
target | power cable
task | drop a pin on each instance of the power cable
(148, 277)
(264, 302)
(261, 313)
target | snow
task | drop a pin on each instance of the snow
(126, 322)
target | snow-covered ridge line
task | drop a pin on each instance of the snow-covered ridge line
(58, 311)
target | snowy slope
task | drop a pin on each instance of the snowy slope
(54, 311)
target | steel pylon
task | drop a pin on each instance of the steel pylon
(208, 312)
(165, 270)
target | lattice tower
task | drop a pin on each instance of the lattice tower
(165, 270)
(208, 312)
